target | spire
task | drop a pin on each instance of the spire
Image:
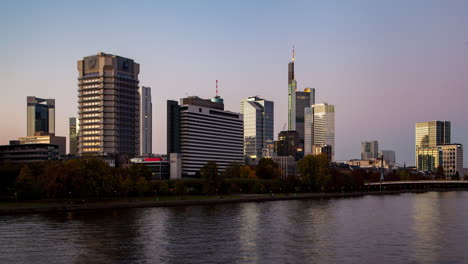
(293, 55)
(216, 88)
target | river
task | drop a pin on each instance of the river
(427, 227)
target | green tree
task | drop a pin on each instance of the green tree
(314, 171)
(212, 180)
(27, 185)
(179, 187)
(267, 169)
(142, 186)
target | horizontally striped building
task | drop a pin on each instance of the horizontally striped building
(206, 132)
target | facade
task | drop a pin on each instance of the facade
(428, 159)
(25, 153)
(258, 125)
(204, 134)
(40, 115)
(173, 127)
(432, 133)
(388, 155)
(73, 128)
(303, 100)
(44, 138)
(324, 126)
(370, 163)
(108, 106)
(287, 144)
(452, 160)
(327, 150)
(146, 121)
(369, 149)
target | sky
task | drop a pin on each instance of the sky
(385, 65)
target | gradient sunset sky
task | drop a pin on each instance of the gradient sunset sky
(385, 65)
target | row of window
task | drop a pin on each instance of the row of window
(94, 120)
(92, 138)
(91, 115)
(89, 98)
(91, 92)
(88, 149)
(91, 126)
(91, 80)
(92, 103)
(91, 144)
(92, 109)
(90, 132)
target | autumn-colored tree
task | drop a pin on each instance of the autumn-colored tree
(314, 171)
(247, 172)
(27, 185)
(232, 171)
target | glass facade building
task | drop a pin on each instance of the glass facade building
(369, 150)
(258, 125)
(40, 115)
(146, 121)
(73, 136)
(324, 126)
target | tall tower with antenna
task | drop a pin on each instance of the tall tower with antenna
(292, 87)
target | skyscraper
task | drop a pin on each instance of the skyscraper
(108, 106)
(146, 121)
(258, 125)
(292, 87)
(369, 150)
(303, 100)
(40, 115)
(432, 133)
(201, 130)
(324, 126)
(73, 136)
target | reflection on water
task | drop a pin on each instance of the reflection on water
(406, 228)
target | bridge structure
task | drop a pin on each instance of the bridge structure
(415, 185)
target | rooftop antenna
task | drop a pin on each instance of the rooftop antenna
(293, 55)
(216, 88)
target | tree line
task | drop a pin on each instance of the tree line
(91, 178)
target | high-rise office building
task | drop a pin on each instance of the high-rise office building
(40, 115)
(108, 106)
(428, 136)
(432, 133)
(303, 100)
(287, 144)
(323, 126)
(73, 136)
(201, 131)
(292, 87)
(146, 121)
(258, 125)
(369, 150)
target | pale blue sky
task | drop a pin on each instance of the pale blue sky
(384, 64)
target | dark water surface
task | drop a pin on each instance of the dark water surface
(406, 228)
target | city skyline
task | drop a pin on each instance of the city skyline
(381, 82)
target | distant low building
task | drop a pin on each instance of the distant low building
(46, 138)
(369, 163)
(26, 153)
(159, 167)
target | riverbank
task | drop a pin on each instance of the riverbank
(45, 207)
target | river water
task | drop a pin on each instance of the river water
(406, 228)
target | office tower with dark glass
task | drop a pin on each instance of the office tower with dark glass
(73, 136)
(108, 106)
(302, 101)
(258, 125)
(202, 131)
(146, 121)
(40, 115)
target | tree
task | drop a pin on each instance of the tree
(267, 169)
(212, 181)
(314, 170)
(232, 171)
(27, 184)
(247, 172)
(440, 174)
